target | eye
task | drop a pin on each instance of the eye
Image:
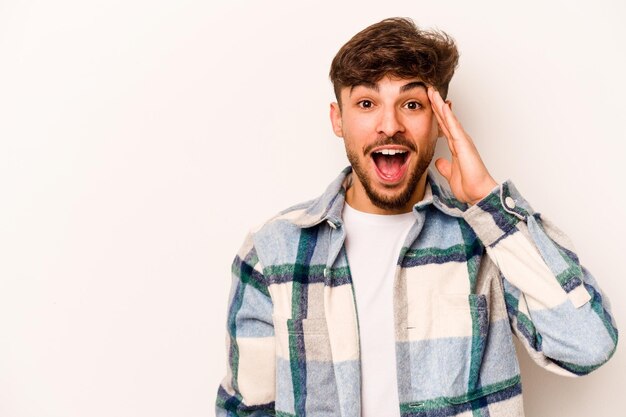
(365, 104)
(413, 105)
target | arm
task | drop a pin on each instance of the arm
(554, 304)
(248, 389)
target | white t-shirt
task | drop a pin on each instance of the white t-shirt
(373, 244)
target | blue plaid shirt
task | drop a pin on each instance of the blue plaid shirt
(467, 279)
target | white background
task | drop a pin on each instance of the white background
(140, 140)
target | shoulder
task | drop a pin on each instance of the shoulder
(326, 207)
(276, 239)
(285, 220)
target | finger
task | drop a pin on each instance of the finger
(463, 142)
(436, 103)
(446, 133)
(438, 106)
(445, 113)
(442, 125)
(444, 167)
(454, 126)
(440, 121)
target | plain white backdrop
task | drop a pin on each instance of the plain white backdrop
(140, 140)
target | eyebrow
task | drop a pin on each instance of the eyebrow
(403, 89)
(412, 85)
(371, 86)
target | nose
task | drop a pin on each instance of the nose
(389, 122)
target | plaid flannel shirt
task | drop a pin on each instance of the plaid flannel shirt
(467, 279)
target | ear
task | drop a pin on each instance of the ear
(335, 119)
(439, 129)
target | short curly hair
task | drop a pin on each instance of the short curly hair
(395, 47)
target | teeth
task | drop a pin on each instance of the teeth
(391, 151)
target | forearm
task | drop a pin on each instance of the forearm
(554, 304)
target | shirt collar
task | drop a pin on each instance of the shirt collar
(329, 206)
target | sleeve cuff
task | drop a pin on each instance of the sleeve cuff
(497, 214)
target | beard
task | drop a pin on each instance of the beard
(401, 198)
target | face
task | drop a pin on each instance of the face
(389, 131)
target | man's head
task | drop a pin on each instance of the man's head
(383, 112)
(395, 47)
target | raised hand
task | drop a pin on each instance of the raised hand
(467, 175)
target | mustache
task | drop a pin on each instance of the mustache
(397, 139)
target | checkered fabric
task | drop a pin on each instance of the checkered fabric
(467, 279)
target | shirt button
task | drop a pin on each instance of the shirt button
(510, 203)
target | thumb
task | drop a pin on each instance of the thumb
(444, 168)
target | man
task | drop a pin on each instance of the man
(390, 295)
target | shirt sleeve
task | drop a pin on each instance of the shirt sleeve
(248, 389)
(554, 304)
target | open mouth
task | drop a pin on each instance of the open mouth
(390, 164)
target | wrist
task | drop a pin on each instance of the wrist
(486, 189)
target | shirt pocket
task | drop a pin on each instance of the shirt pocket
(462, 328)
(304, 339)
(304, 367)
